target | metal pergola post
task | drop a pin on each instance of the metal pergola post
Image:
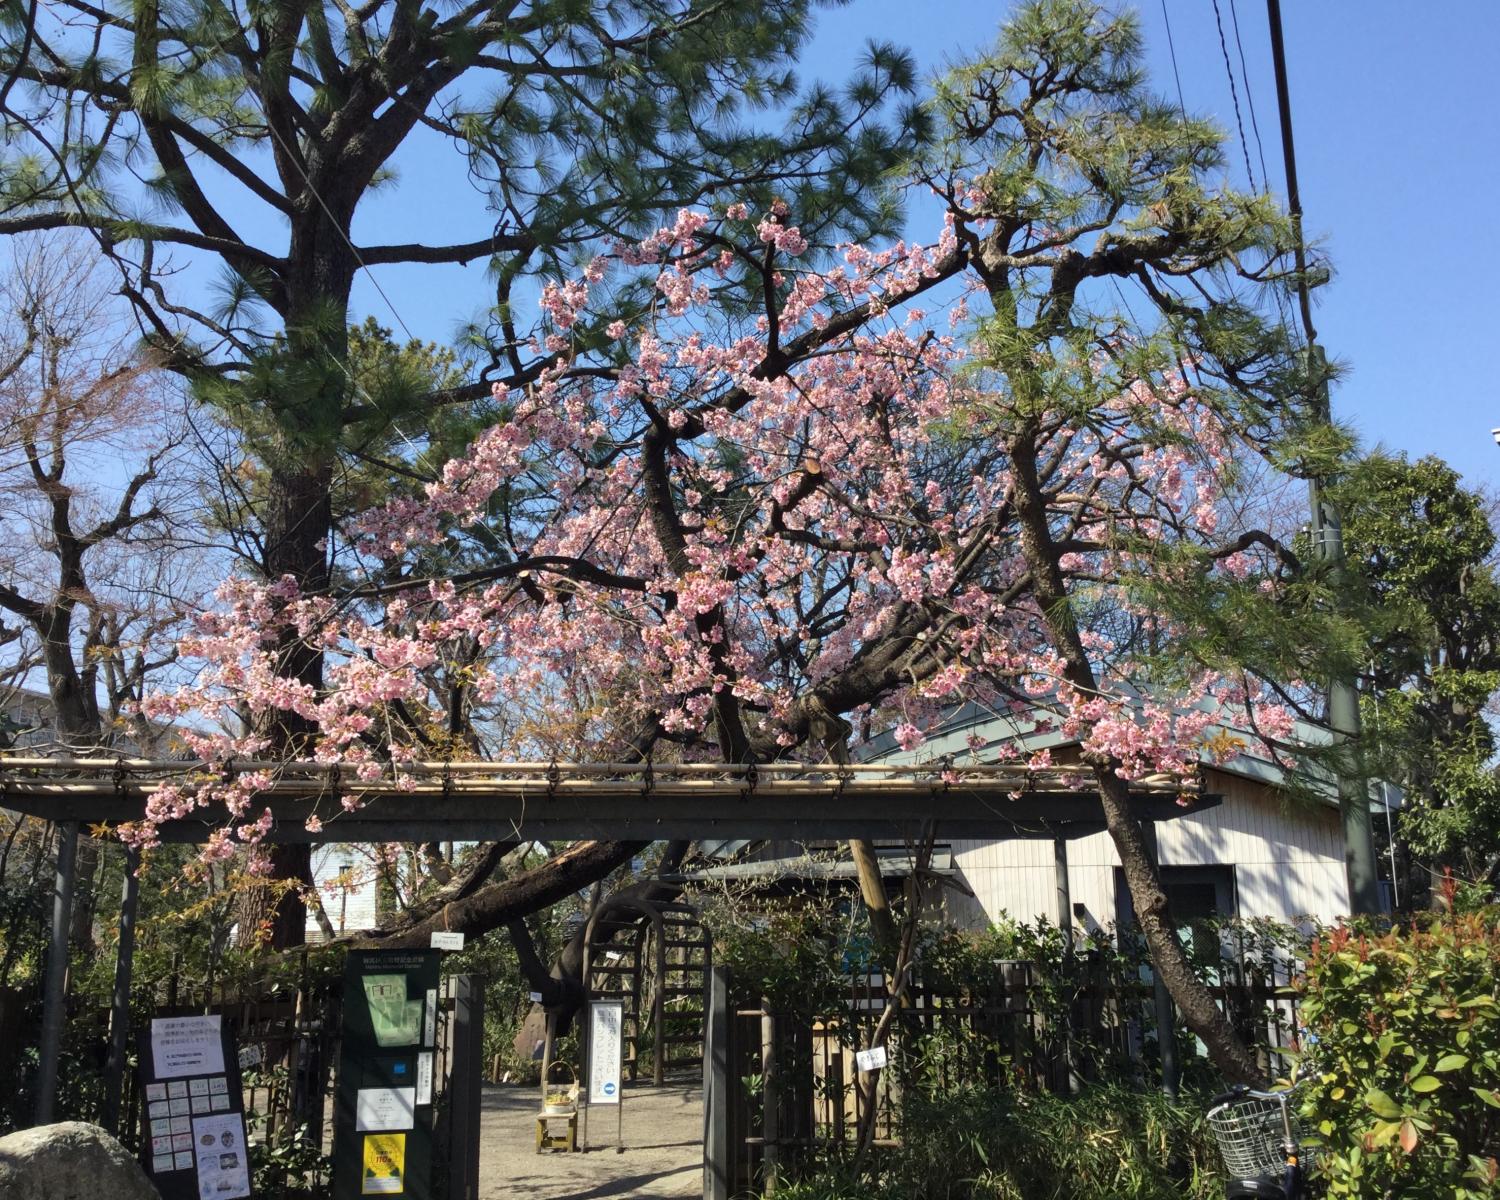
(54, 993)
(119, 1006)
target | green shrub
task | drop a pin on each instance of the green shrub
(1109, 1143)
(1406, 1091)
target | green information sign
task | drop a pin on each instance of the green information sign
(382, 1142)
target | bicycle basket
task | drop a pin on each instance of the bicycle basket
(1250, 1136)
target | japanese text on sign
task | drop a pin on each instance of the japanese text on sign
(384, 1172)
(604, 1051)
(186, 1046)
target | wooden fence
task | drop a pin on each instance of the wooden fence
(791, 1085)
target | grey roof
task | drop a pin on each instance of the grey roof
(1019, 731)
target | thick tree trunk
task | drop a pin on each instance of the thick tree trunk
(298, 514)
(500, 903)
(561, 992)
(833, 731)
(75, 712)
(1236, 1060)
(297, 520)
(272, 913)
(476, 872)
(1168, 959)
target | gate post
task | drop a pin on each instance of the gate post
(464, 1087)
(55, 986)
(718, 1093)
(771, 1047)
(119, 1005)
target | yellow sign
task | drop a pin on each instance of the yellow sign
(385, 1164)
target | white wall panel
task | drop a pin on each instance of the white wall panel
(349, 908)
(1288, 861)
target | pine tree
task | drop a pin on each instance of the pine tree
(578, 120)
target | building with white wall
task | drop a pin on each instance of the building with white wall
(1259, 852)
(348, 888)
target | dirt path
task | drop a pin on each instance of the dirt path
(663, 1159)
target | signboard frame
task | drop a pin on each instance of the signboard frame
(604, 1073)
(206, 1094)
(383, 1120)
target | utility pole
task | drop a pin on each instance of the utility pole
(1326, 532)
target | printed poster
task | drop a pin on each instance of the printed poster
(186, 1046)
(384, 1108)
(222, 1162)
(384, 1165)
(396, 1020)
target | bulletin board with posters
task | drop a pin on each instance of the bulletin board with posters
(193, 1143)
(383, 1108)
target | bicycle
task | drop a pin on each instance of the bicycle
(1261, 1144)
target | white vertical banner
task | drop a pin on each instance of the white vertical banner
(424, 1077)
(606, 1017)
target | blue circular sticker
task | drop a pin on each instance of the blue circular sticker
(609, 1089)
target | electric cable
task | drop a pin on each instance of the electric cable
(1234, 95)
(1260, 150)
(1289, 159)
(1172, 50)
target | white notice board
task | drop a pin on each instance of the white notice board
(187, 1046)
(605, 1020)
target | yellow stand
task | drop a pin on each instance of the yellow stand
(546, 1139)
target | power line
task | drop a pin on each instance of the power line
(1172, 50)
(1289, 160)
(1234, 95)
(1260, 149)
(1327, 536)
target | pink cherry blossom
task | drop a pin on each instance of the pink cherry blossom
(717, 524)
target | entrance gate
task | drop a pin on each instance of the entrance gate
(477, 801)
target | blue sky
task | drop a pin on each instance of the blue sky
(1398, 141)
(1398, 160)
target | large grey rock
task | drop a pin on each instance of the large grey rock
(70, 1161)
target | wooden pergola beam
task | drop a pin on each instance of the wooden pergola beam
(621, 801)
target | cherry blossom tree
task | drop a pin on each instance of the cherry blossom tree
(918, 475)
